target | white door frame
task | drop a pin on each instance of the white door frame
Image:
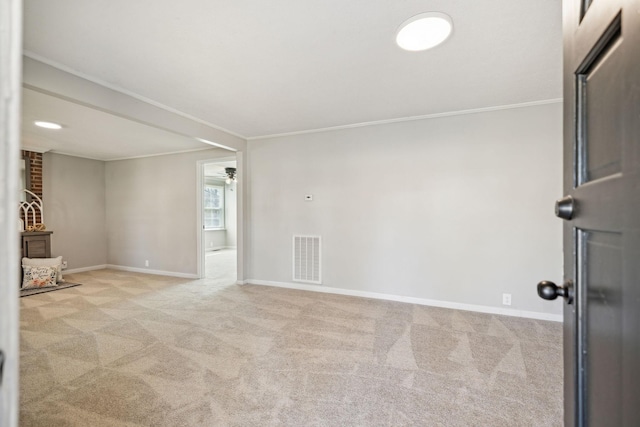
(240, 186)
(11, 76)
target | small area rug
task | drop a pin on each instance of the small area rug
(33, 291)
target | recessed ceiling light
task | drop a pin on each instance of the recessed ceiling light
(48, 125)
(424, 31)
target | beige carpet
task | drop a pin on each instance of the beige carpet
(221, 265)
(129, 349)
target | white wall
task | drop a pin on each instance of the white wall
(74, 209)
(215, 239)
(456, 209)
(152, 211)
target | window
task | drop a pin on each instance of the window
(213, 207)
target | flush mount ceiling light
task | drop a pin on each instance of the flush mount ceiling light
(48, 125)
(424, 31)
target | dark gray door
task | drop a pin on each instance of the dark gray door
(602, 228)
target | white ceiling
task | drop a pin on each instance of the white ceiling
(259, 68)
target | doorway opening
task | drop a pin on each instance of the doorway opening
(219, 221)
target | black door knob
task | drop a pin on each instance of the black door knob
(550, 291)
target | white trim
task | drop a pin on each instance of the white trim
(117, 88)
(34, 149)
(200, 241)
(412, 118)
(242, 227)
(74, 155)
(216, 144)
(11, 29)
(144, 156)
(129, 158)
(83, 269)
(200, 230)
(412, 300)
(154, 272)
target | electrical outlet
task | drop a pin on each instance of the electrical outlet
(506, 299)
(64, 265)
(308, 197)
(146, 263)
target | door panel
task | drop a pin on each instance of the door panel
(603, 284)
(587, 31)
(600, 155)
(602, 237)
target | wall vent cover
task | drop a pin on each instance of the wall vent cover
(306, 259)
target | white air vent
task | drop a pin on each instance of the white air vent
(306, 259)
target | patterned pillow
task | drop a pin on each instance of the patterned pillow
(39, 277)
(41, 262)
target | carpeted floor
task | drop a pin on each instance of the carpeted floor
(221, 265)
(128, 349)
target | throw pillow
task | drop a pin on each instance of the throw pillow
(45, 262)
(39, 277)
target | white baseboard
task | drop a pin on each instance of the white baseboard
(339, 291)
(154, 272)
(83, 269)
(420, 301)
